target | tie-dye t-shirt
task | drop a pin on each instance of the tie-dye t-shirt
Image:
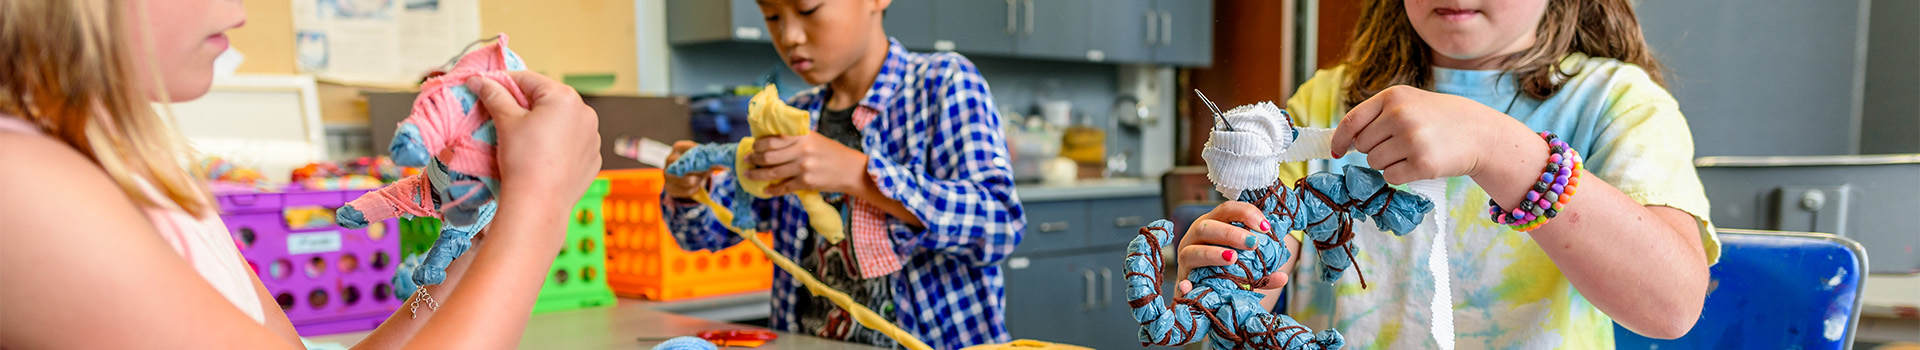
(1506, 293)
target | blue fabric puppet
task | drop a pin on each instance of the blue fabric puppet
(1243, 154)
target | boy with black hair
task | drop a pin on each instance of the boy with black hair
(911, 143)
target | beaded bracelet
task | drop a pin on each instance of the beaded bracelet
(1549, 195)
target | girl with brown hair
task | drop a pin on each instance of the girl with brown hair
(1519, 106)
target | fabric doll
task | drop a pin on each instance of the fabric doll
(1243, 155)
(452, 139)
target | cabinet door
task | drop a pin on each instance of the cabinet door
(911, 22)
(1055, 29)
(748, 23)
(1048, 297)
(1114, 222)
(1110, 324)
(1122, 31)
(696, 21)
(976, 26)
(1186, 32)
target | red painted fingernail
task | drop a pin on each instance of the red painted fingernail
(1227, 254)
(1265, 227)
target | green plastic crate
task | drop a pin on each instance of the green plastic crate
(416, 235)
(577, 279)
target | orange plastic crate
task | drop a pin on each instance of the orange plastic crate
(643, 261)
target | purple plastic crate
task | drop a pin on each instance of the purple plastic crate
(327, 279)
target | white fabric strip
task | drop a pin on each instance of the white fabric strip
(1442, 305)
(1313, 143)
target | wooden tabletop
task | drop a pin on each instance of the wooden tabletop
(619, 327)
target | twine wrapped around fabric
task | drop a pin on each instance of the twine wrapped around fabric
(1243, 155)
(451, 136)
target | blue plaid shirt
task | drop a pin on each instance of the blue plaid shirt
(936, 147)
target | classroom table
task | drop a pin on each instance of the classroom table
(620, 326)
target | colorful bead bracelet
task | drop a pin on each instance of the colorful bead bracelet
(1550, 195)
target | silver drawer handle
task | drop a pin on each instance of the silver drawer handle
(1106, 286)
(1089, 305)
(1153, 27)
(1029, 17)
(1128, 221)
(1013, 21)
(1056, 226)
(1166, 28)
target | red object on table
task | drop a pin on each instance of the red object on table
(739, 337)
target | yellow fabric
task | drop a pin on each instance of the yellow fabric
(863, 315)
(767, 115)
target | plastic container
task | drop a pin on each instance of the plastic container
(644, 261)
(417, 235)
(577, 278)
(327, 279)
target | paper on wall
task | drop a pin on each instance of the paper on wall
(381, 42)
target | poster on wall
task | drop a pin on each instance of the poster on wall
(381, 42)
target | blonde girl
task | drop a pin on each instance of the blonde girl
(106, 243)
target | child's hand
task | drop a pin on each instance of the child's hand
(1412, 134)
(807, 162)
(1203, 244)
(551, 150)
(685, 187)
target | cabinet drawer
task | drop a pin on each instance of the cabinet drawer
(1117, 221)
(1054, 226)
(1049, 296)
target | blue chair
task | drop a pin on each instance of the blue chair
(1774, 290)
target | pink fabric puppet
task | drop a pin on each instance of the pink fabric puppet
(451, 136)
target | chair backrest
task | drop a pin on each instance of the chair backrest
(1774, 290)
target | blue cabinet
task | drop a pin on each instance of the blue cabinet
(1053, 29)
(1066, 282)
(697, 21)
(976, 26)
(1186, 32)
(911, 22)
(1054, 226)
(1117, 221)
(1079, 224)
(1178, 32)
(1048, 297)
(1127, 31)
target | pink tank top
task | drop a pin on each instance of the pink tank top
(203, 242)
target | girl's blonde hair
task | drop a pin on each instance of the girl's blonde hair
(69, 69)
(1386, 51)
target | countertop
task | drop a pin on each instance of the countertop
(620, 326)
(1889, 310)
(1088, 189)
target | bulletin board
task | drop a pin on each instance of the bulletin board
(555, 37)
